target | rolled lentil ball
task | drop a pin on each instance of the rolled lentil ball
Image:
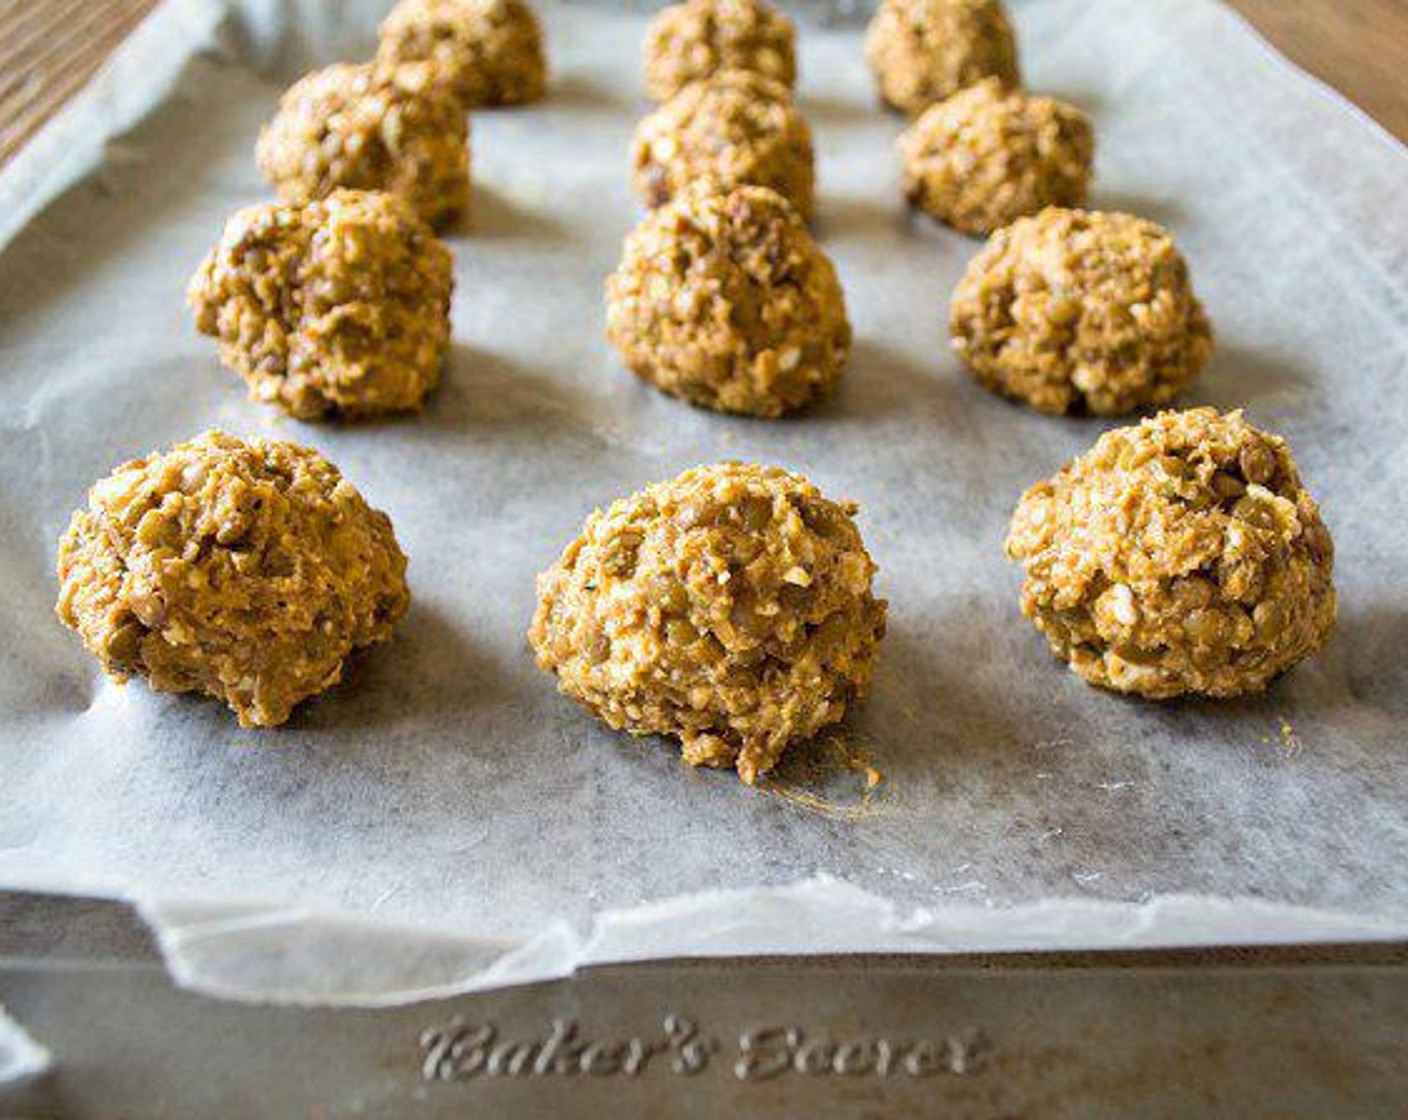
(699, 38)
(922, 51)
(246, 570)
(338, 307)
(987, 156)
(1179, 556)
(724, 300)
(730, 608)
(1075, 310)
(487, 53)
(370, 127)
(734, 128)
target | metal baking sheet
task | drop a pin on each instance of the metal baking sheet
(447, 792)
(1254, 1033)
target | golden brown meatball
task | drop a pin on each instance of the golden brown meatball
(249, 571)
(922, 51)
(699, 38)
(1075, 309)
(730, 608)
(987, 156)
(734, 128)
(370, 128)
(724, 300)
(486, 52)
(1179, 556)
(339, 307)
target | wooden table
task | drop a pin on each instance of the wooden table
(49, 48)
(1358, 46)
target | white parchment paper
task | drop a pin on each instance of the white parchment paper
(444, 820)
(20, 1056)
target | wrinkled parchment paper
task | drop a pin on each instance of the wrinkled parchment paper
(447, 794)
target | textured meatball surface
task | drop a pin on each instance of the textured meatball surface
(338, 307)
(249, 571)
(1182, 555)
(370, 127)
(486, 53)
(734, 128)
(724, 300)
(699, 38)
(1075, 310)
(922, 51)
(730, 608)
(987, 155)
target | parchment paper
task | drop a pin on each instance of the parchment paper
(447, 795)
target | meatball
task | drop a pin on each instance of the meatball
(724, 300)
(730, 608)
(1182, 555)
(699, 38)
(1080, 310)
(485, 52)
(249, 571)
(987, 156)
(339, 307)
(734, 128)
(922, 51)
(370, 128)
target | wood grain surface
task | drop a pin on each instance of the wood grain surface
(49, 48)
(1358, 46)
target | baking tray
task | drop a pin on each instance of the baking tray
(1288, 1033)
(444, 821)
